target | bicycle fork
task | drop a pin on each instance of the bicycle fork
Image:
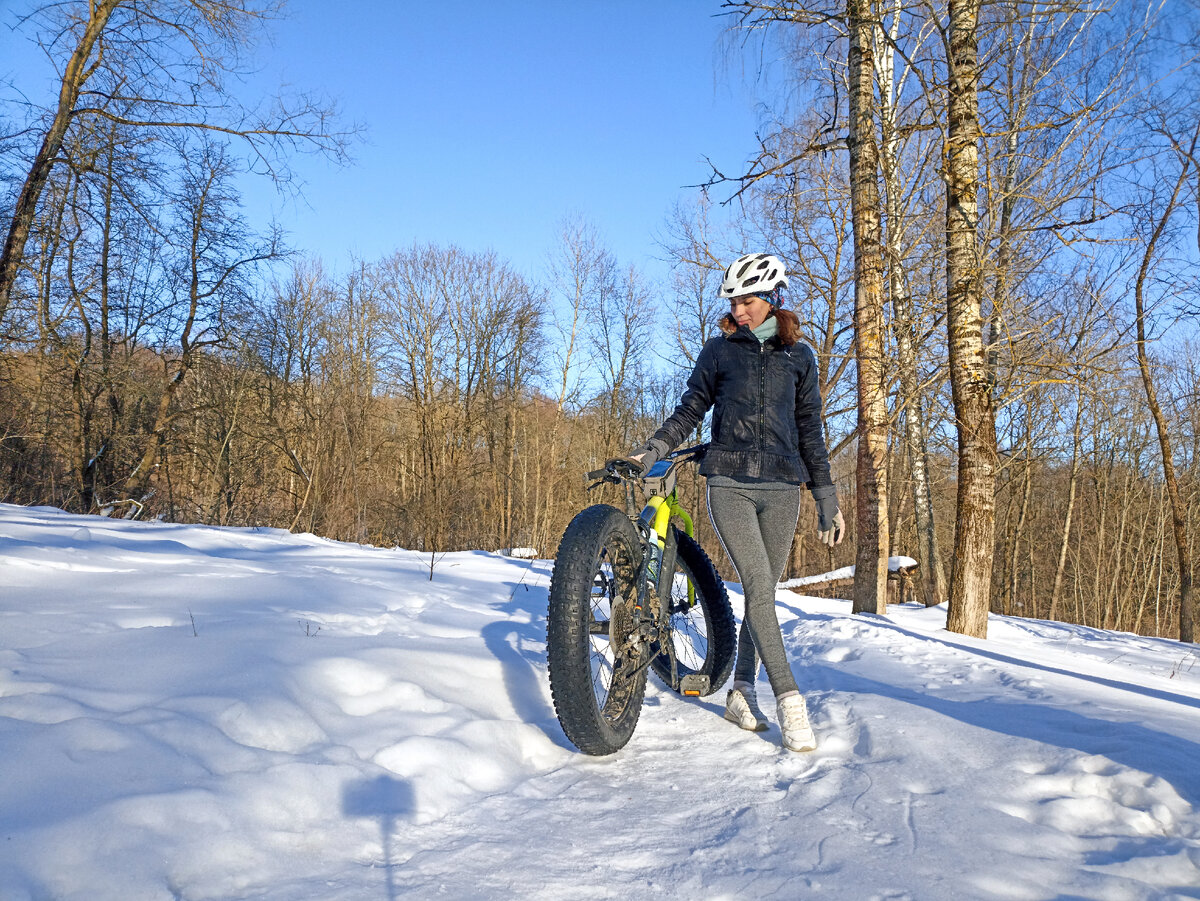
(656, 580)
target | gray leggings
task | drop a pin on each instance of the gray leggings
(756, 527)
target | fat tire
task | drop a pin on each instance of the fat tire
(598, 535)
(712, 613)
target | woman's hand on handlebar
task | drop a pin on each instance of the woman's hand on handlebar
(645, 457)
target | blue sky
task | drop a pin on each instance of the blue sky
(486, 123)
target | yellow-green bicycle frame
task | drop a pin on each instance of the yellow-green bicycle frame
(658, 513)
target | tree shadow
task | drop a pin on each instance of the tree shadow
(387, 799)
(945, 640)
(520, 649)
(1132, 745)
(1140, 748)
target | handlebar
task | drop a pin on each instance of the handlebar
(620, 469)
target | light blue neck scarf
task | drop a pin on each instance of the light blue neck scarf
(769, 329)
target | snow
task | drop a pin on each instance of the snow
(524, 553)
(840, 574)
(844, 573)
(199, 713)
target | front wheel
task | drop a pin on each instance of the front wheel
(703, 633)
(596, 663)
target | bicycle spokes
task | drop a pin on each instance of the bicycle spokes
(689, 630)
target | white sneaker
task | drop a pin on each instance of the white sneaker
(793, 723)
(742, 708)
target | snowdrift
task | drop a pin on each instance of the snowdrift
(202, 713)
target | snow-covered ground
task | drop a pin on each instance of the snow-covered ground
(200, 713)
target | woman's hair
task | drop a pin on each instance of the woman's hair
(789, 326)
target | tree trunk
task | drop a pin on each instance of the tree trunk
(1072, 490)
(916, 439)
(871, 526)
(970, 585)
(74, 76)
(1178, 504)
(1014, 578)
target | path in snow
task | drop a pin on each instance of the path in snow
(932, 756)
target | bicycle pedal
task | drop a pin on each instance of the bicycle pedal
(694, 686)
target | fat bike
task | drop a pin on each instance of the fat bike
(633, 593)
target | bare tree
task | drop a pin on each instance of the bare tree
(287, 340)
(215, 252)
(621, 322)
(461, 331)
(578, 267)
(1185, 154)
(1072, 495)
(699, 260)
(154, 68)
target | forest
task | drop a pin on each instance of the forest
(989, 211)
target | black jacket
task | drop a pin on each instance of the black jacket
(767, 417)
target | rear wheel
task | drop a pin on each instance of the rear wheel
(597, 676)
(703, 632)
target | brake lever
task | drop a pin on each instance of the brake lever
(615, 471)
(631, 469)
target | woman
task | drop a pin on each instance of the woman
(766, 442)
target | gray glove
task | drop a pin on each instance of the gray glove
(831, 526)
(648, 454)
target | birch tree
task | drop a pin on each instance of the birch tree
(897, 184)
(871, 508)
(975, 417)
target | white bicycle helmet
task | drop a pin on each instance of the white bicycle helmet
(754, 273)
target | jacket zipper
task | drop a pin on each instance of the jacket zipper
(762, 397)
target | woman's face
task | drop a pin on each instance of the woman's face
(750, 311)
